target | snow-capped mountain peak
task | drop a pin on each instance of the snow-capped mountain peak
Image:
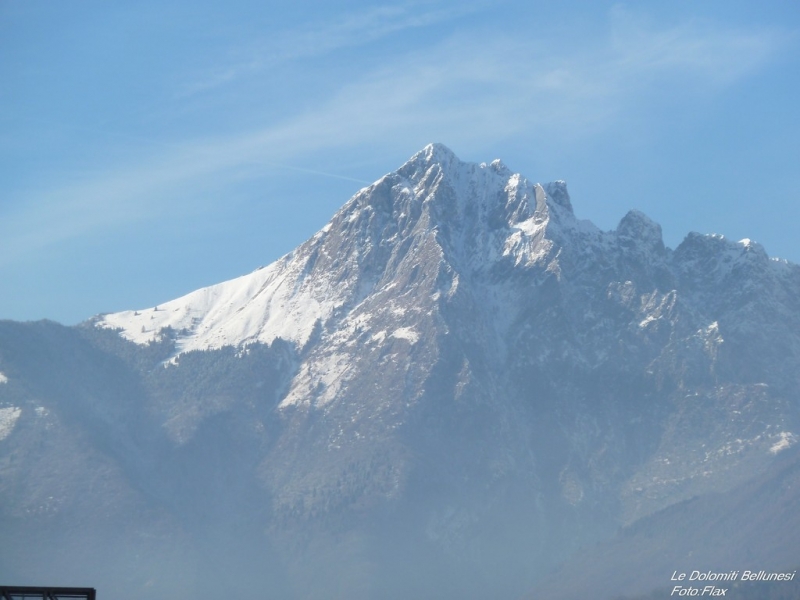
(476, 214)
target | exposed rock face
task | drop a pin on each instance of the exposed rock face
(445, 392)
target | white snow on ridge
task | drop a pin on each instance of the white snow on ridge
(3, 378)
(275, 301)
(8, 418)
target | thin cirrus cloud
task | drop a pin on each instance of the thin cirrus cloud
(318, 39)
(457, 91)
(720, 56)
(467, 92)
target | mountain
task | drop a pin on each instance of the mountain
(452, 389)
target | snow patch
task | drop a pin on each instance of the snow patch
(406, 333)
(646, 321)
(787, 440)
(8, 418)
(319, 382)
(3, 378)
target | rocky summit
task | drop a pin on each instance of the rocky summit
(455, 389)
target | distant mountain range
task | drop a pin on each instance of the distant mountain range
(455, 389)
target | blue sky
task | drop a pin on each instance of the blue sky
(151, 148)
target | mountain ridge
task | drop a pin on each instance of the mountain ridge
(260, 286)
(447, 391)
(230, 313)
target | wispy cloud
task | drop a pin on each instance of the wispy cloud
(317, 39)
(463, 91)
(459, 91)
(719, 55)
